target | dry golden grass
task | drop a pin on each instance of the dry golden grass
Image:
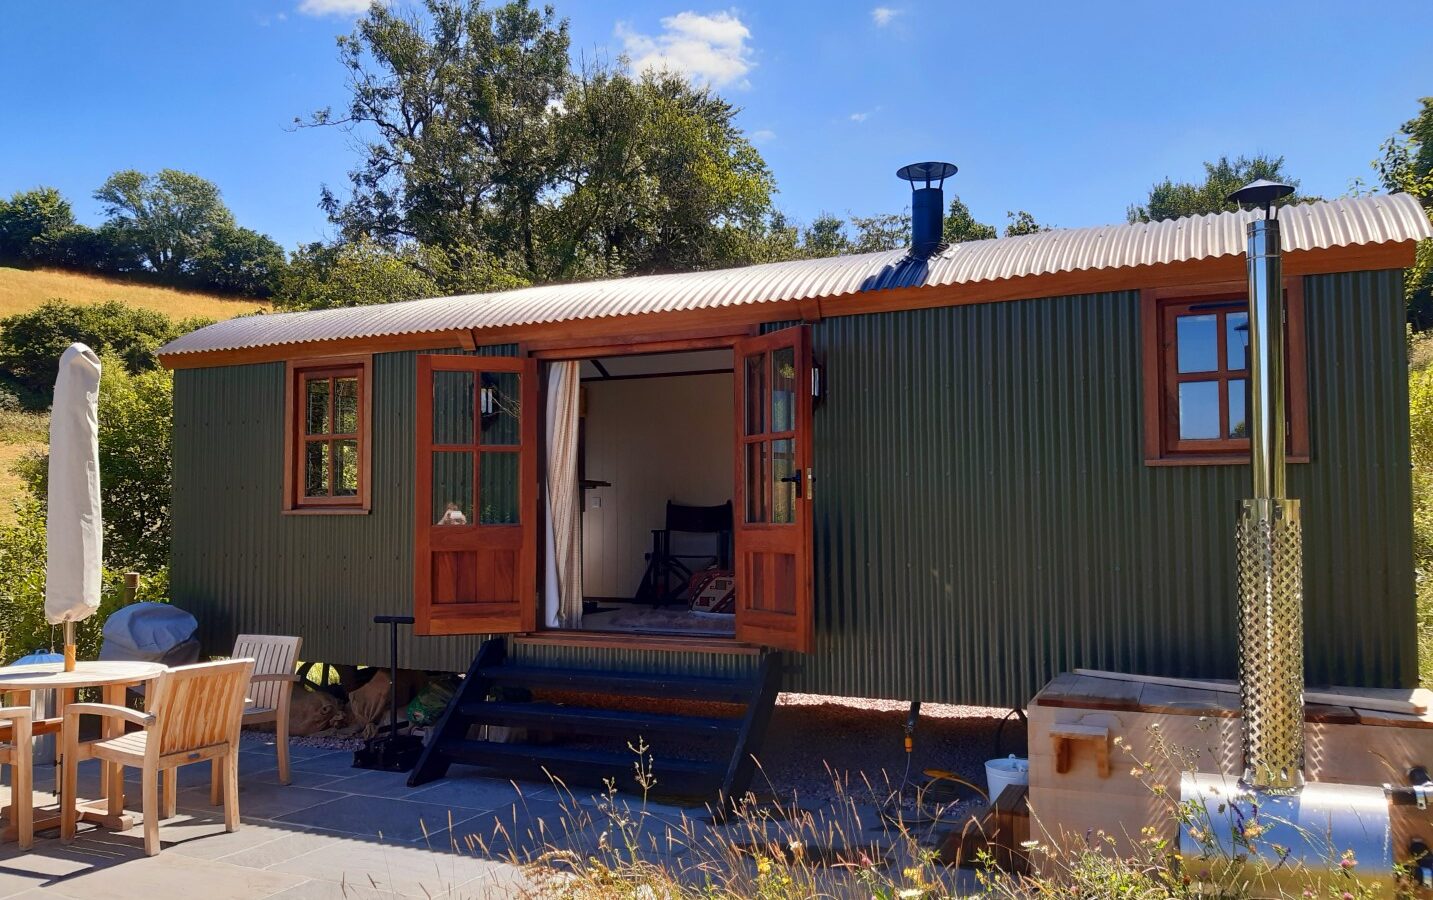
(20, 434)
(25, 289)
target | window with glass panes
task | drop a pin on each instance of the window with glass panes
(328, 437)
(1203, 375)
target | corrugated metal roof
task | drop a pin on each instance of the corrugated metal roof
(1312, 226)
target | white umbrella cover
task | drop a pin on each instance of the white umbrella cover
(74, 528)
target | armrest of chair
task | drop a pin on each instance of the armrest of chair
(75, 710)
(16, 713)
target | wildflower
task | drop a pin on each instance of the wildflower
(1253, 830)
(911, 893)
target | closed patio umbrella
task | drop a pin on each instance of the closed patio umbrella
(74, 529)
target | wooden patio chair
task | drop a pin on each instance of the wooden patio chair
(18, 754)
(276, 662)
(195, 715)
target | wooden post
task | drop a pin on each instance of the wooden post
(130, 589)
(69, 645)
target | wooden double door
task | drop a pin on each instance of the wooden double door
(477, 566)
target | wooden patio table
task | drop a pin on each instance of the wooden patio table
(112, 678)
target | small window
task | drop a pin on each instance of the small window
(326, 452)
(1197, 377)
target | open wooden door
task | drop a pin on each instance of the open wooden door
(772, 530)
(475, 557)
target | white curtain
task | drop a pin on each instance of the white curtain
(563, 592)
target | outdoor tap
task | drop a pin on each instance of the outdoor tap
(910, 728)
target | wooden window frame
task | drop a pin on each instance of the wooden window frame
(297, 373)
(1162, 447)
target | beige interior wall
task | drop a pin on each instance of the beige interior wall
(655, 439)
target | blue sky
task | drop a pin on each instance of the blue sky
(1069, 110)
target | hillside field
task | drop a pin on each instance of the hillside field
(25, 289)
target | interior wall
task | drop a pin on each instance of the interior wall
(655, 439)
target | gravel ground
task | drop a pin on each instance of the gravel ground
(815, 740)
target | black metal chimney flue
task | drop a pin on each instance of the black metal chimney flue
(927, 204)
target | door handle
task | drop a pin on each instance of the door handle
(793, 478)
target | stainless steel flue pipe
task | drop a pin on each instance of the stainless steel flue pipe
(1269, 534)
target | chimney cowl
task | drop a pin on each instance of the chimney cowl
(927, 204)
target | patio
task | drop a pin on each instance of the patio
(341, 832)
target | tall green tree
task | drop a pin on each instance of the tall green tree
(1406, 166)
(1170, 199)
(653, 175)
(28, 218)
(456, 104)
(960, 225)
(165, 219)
(478, 138)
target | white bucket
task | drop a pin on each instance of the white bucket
(1001, 773)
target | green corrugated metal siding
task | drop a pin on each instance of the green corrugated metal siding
(984, 518)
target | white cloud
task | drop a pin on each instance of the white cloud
(882, 15)
(859, 117)
(763, 136)
(333, 7)
(709, 49)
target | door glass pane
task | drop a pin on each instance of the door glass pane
(1197, 344)
(316, 406)
(783, 389)
(755, 475)
(1199, 410)
(783, 492)
(453, 407)
(498, 489)
(345, 405)
(1238, 398)
(345, 467)
(1236, 328)
(453, 487)
(316, 469)
(501, 406)
(755, 393)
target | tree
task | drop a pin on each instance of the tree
(459, 108)
(164, 220)
(238, 261)
(1022, 222)
(478, 136)
(360, 273)
(885, 231)
(28, 218)
(1406, 166)
(826, 236)
(1170, 199)
(960, 225)
(653, 175)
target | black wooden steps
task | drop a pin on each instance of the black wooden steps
(628, 684)
(590, 741)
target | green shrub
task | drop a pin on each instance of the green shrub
(136, 417)
(28, 217)
(23, 628)
(31, 342)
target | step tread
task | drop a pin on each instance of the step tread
(641, 684)
(578, 719)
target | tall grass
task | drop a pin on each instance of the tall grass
(22, 290)
(616, 847)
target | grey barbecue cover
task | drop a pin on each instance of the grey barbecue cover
(149, 632)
